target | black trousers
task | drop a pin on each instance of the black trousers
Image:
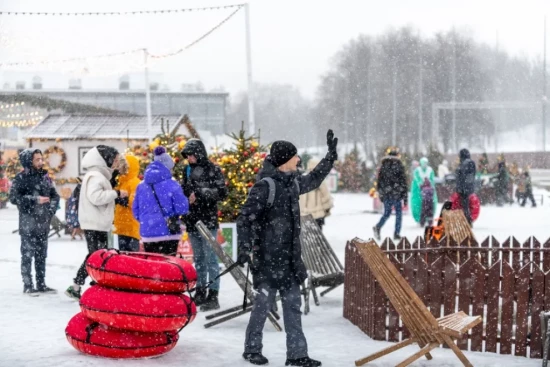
(95, 240)
(465, 202)
(33, 246)
(126, 243)
(528, 195)
(162, 247)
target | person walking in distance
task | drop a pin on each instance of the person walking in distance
(392, 188)
(126, 226)
(317, 202)
(36, 199)
(465, 181)
(268, 230)
(203, 183)
(158, 206)
(96, 205)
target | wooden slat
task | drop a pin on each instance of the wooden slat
(507, 313)
(478, 302)
(379, 313)
(492, 290)
(537, 256)
(516, 256)
(436, 287)
(522, 297)
(485, 257)
(449, 285)
(347, 284)
(537, 306)
(546, 259)
(393, 316)
(496, 254)
(421, 279)
(506, 254)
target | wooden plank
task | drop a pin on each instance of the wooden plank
(492, 295)
(449, 286)
(477, 295)
(434, 244)
(421, 279)
(516, 256)
(485, 257)
(347, 285)
(436, 287)
(393, 315)
(408, 274)
(522, 298)
(546, 259)
(379, 313)
(507, 314)
(506, 254)
(496, 255)
(537, 256)
(527, 256)
(464, 298)
(463, 256)
(537, 306)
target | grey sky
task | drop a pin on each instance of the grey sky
(292, 40)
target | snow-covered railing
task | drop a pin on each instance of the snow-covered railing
(508, 283)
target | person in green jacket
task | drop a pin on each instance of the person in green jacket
(420, 174)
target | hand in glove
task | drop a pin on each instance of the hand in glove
(332, 143)
(243, 258)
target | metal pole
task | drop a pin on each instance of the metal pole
(251, 121)
(147, 96)
(420, 88)
(394, 97)
(453, 75)
(544, 97)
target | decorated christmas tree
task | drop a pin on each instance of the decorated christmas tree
(239, 165)
(350, 172)
(483, 164)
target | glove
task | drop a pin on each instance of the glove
(125, 202)
(332, 143)
(243, 258)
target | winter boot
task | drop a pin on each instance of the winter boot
(30, 291)
(376, 233)
(211, 303)
(73, 293)
(303, 362)
(255, 358)
(46, 289)
(200, 296)
(396, 237)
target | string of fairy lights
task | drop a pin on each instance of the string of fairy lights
(33, 117)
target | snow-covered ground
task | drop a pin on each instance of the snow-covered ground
(32, 329)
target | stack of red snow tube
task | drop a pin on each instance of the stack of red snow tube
(137, 307)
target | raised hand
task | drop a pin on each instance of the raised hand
(332, 144)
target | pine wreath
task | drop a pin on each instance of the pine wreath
(55, 150)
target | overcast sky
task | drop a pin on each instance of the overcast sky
(292, 40)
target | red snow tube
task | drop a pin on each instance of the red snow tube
(475, 205)
(89, 337)
(141, 271)
(147, 312)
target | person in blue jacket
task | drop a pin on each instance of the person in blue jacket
(153, 213)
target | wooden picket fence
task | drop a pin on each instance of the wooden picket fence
(507, 284)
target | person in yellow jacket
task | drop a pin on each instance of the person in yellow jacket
(126, 227)
(318, 202)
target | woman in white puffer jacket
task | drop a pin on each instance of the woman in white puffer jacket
(318, 202)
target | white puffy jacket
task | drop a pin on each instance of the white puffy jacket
(96, 207)
(317, 202)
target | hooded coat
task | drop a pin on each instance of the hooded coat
(392, 180)
(272, 235)
(27, 186)
(465, 174)
(96, 205)
(421, 173)
(317, 202)
(152, 219)
(125, 223)
(206, 180)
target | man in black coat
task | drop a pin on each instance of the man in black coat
(465, 181)
(203, 183)
(37, 200)
(269, 238)
(392, 189)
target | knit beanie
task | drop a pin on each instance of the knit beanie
(108, 154)
(163, 157)
(281, 152)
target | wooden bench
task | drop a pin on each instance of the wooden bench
(425, 330)
(324, 267)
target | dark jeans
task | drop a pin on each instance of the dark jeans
(126, 243)
(528, 195)
(388, 205)
(162, 247)
(465, 202)
(206, 261)
(296, 344)
(95, 240)
(36, 247)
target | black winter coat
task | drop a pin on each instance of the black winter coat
(465, 174)
(392, 180)
(272, 235)
(34, 218)
(206, 180)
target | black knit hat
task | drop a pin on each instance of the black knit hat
(108, 154)
(281, 152)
